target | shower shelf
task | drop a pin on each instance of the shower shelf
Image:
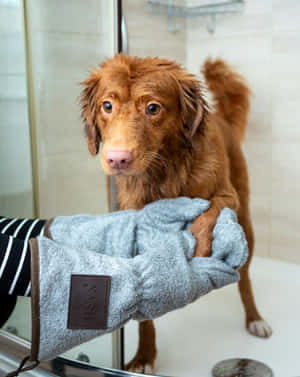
(206, 8)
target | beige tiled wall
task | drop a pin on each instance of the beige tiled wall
(67, 39)
(15, 168)
(148, 33)
(262, 43)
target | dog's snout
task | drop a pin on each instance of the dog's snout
(118, 159)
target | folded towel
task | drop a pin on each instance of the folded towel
(98, 272)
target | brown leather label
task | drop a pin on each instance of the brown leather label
(88, 303)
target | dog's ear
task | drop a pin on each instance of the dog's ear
(191, 104)
(89, 110)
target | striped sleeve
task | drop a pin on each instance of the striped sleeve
(22, 228)
(15, 254)
(14, 266)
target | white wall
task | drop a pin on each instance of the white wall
(148, 33)
(15, 157)
(68, 38)
(263, 44)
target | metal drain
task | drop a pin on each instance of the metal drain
(241, 368)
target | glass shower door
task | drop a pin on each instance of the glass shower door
(16, 198)
(47, 49)
(16, 188)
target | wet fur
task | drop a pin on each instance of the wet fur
(189, 151)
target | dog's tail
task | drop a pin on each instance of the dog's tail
(230, 92)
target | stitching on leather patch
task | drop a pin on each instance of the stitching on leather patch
(88, 302)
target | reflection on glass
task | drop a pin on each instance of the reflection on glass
(16, 199)
(61, 49)
(15, 156)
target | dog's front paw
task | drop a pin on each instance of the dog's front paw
(139, 366)
(260, 328)
(203, 234)
(202, 230)
(203, 245)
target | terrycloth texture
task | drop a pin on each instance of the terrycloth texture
(163, 277)
(115, 233)
(111, 234)
(181, 279)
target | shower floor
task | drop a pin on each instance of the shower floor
(192, 340)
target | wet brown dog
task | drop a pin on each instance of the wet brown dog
(163, 138)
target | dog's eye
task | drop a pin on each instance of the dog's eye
(153, 109)
(107, 106)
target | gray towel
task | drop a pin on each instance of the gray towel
(121, 233)
(147, 256)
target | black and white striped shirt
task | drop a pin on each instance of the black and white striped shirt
(15, 254)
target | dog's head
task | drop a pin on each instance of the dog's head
(139, 109)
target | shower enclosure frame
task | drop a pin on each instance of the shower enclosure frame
(14, 347)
